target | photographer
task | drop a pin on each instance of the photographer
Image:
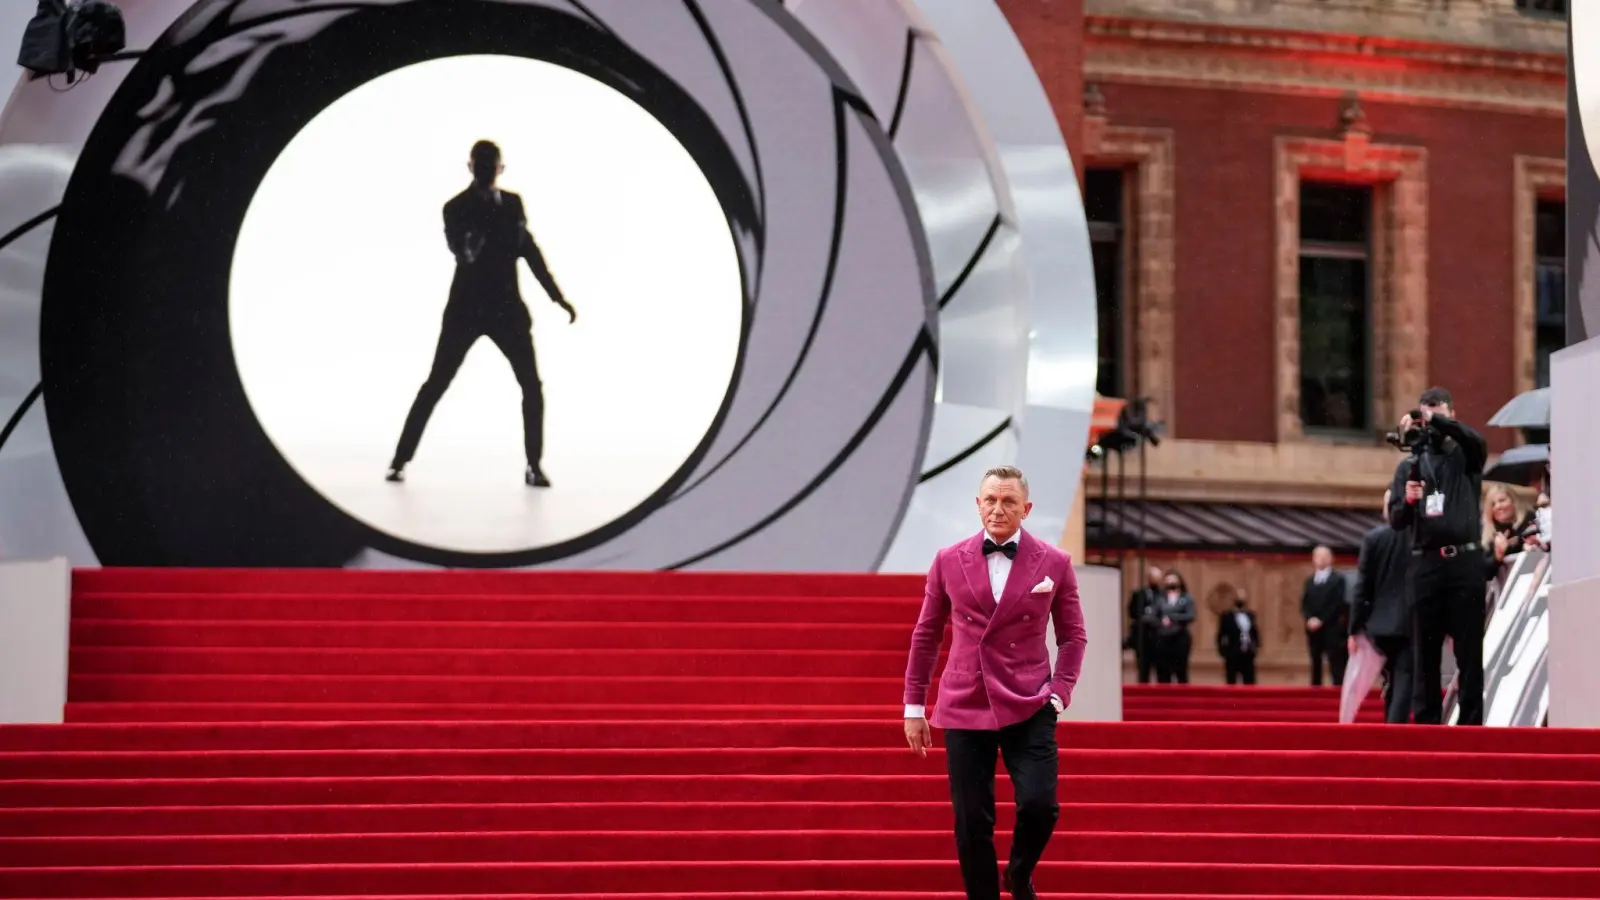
(1436, 496)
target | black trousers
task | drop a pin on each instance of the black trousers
(1240, 667)
(1326, 643)
(511, 333)
(1399, 693)
(1172, 657)
(1029, 750)
(1338, 654)
(1143, 651)
(1448, 601)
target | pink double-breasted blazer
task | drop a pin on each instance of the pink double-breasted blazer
(998, 672)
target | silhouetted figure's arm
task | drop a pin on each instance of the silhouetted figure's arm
(529, 251)
(541, 271)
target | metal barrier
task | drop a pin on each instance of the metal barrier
(1516, 643)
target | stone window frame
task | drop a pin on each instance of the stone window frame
(1149, 235)
(1534, 178)
(1399, 300)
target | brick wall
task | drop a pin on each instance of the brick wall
(1225, 269)
(1051, 32)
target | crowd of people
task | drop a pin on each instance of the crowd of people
(1420, 583)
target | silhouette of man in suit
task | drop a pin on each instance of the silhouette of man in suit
(487, 230)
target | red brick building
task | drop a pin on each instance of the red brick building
(1300, 220)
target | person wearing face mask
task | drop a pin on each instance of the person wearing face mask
(1142, 624)
(1174, 611)
(1238, 640)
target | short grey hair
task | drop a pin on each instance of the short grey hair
(1005, 473)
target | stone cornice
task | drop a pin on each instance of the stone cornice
(1147, 51)
(1305, 474)
(1466, 23)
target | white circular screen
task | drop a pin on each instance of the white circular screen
(342, 274)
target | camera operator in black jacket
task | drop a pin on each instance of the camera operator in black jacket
(1436, 497)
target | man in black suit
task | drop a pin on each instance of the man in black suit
(1382, 611)
(1324, 607)
(1238, 640)
(1143, 623)
(487, 231)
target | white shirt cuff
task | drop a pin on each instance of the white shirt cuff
(914, 711)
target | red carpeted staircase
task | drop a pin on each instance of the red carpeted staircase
(317, 734)
(1238, 703)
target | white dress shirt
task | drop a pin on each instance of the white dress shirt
(999, 571)
(1000, 565)
(1242, 619)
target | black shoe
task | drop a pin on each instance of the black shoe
(535, 478)
(1023, 891)
(397, 474)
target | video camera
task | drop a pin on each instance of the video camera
(69, 37)
(1415, 439)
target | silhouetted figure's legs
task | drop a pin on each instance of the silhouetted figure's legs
(517, 345)
(454, 342)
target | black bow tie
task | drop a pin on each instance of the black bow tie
(1009, 548)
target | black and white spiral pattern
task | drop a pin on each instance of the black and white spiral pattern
(832, 397)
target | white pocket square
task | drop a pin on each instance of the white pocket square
(1044, 587)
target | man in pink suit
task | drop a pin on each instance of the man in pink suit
(997, 694)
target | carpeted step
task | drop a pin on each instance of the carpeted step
(1129, 879)
(795, 816)
(660, 736)
(643, 732)
(1221, 790)
(580, 846)
(571, 635)
(395, 582)
(1245, 702)
(463, 606)
(357, 712)
(874, 895)
(1365, 717)
(1241, 704)
(343, 661)
(1230, 690)
(887, 760)
(527, 692)
(453, 712)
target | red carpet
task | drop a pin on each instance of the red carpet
(317, 734)
(1223, 703)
